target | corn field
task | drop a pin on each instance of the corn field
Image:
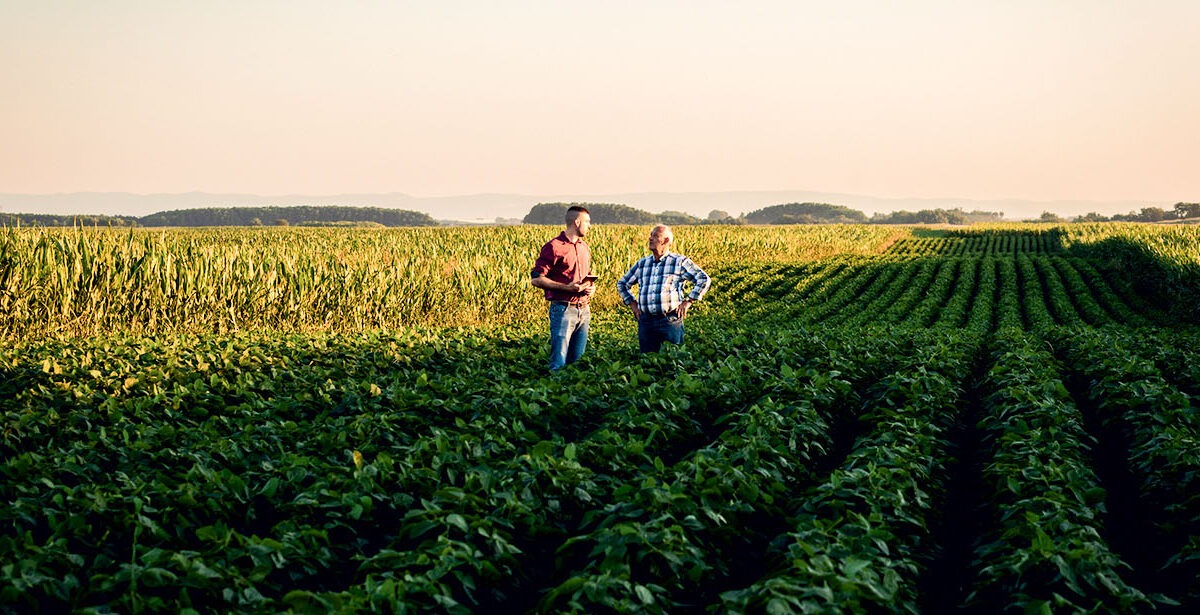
(78, 282)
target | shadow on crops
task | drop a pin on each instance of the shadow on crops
(974, 242)
(930, 233)
(1173, 287)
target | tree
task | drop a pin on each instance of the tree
(717, 215)
(983, 216)
(602, 213)
(673, 218)
(817, 213)
(1091, 216)
(1187, 210)
(937, 216)
(795, 219)
(1152, 214)
(1050, 217)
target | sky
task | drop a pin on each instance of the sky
(1027, 99)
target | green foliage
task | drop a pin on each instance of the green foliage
(1047, 548)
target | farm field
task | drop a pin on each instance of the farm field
(862, 419)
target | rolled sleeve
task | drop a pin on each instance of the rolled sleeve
(544, 262)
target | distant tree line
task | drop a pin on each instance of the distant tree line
(64, 220)
(284, 216)
(937, 216)
(1181, 211)
(238, 216)
(610, 213)
(787, 213)
(606, 213)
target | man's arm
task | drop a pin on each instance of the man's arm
(627, 297)
(542, 266)
(700, 283)
(699, 279)
(546, 283)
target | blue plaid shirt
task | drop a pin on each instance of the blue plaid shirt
(660, 283)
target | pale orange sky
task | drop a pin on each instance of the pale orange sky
(1070, 99)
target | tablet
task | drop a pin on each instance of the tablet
(590, 278)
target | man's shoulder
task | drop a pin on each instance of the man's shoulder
(639, 263)
(557, 242)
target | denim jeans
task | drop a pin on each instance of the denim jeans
(654, 329)
(568, 333)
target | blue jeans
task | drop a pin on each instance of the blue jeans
(654, 329)
(568, 333)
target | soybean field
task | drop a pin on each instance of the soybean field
(862, 419)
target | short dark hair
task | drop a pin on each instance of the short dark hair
(574, 211)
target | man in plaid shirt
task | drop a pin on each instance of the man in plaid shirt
(661, 304)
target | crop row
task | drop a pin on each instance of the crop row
(983, 294)
(673, 537)
(1153, 431)
(991, 244)
(1046, 551)
(858, 541)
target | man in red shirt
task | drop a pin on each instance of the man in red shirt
(560, 270)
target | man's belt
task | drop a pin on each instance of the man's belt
(569, 303)
(672, 314)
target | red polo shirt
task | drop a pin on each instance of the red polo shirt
(565, 262)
